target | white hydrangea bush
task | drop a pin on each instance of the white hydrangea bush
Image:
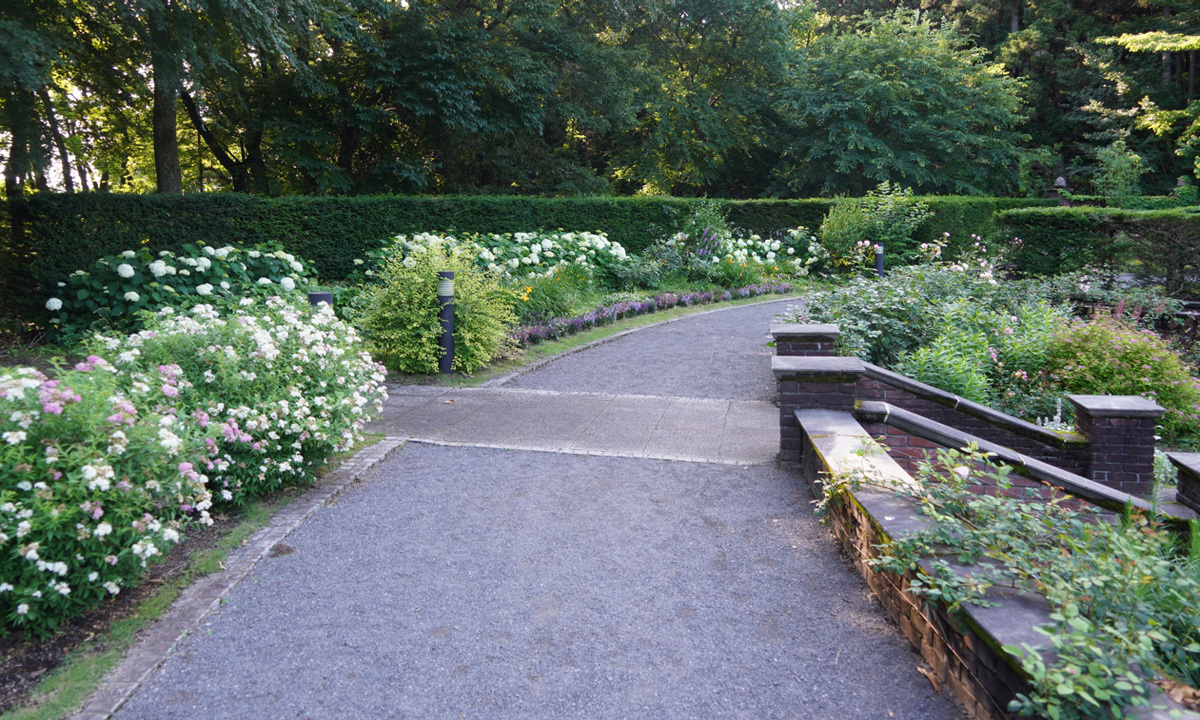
(279, 386)
(94, 482)
(795, 252)
(513, 256)
(110, 295)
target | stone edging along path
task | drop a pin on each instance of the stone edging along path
(509, 377)
(205, 595)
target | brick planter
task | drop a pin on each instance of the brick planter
(1120, 431)
(1189, 478)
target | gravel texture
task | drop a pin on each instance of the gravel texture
(720, 354)
(481, 583)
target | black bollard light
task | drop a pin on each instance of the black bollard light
(317, 298)
(445, 300)
(879, 259)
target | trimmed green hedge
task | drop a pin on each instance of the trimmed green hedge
(70, 231)
(1162, 245)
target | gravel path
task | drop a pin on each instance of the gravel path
(721, 354)
(482, 583)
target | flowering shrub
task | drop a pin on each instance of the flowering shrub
(992, 356)
(400, 315)
(1112, 357)
(279, 387)
(793, 253)
(93, 483)
(109, 296)
(889, 214)
(884, 318)
(555, 293)
(508, 255)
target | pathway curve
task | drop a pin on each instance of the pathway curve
(470, 576)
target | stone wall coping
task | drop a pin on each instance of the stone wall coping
(989, 415)
(805, 331)
(837, 438)
(1117, 406)
(829, 369)
(1188, 490)
(1187, 462)
(1090, 490)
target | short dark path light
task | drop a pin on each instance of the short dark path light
(879, 259)
(317, 298)
(445, 291)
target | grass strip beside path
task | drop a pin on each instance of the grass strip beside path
(63, 690)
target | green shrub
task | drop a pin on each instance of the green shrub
(955, 363)
(93, 484)
(111, 296)
(889, 215)
(1110, 357)
(1158, 245)
(401, 313)
(1118, 178)
(556, 294)
(730, 273)
(280, 385)
(64, 232)
(992, 356)
(882, 319)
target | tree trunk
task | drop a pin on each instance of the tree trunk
(167, 173)
(1191, 74)
(1016, 16)
(16, 214)
(236, 168)
(58, 140)
(1166, 56)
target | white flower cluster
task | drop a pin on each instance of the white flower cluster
(138, 280)
(279, 387)
(520, 255)
(796, 252)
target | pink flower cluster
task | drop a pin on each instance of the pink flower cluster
(54, 397)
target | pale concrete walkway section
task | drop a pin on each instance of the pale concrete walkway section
(732, 432)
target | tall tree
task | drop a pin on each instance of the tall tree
(900, 99)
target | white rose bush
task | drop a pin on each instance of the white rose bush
(103, 468)
(117, 288)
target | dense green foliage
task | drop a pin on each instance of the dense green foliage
(400, 320)
(1161, 244)
(1121, 593)
(729, 98)
(892, 99)
(71, 231)
(1110, 357)
(889, 215)
(1010, 344)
